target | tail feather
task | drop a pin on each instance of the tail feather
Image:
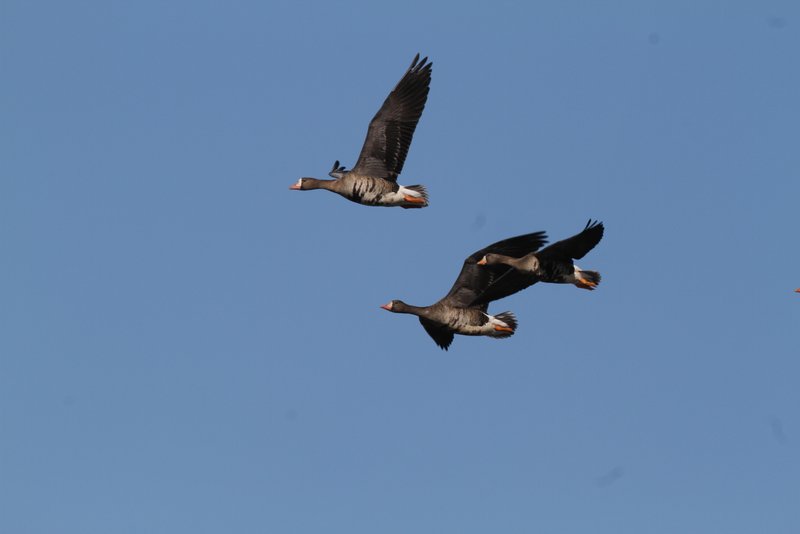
(508, 318)
(418, 189)
(591, 276)
(586, 279)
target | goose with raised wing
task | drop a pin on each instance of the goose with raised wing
(464, 310)
(373, 180)
(553, 264)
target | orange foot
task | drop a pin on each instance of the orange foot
(499, 328)
(586, 284)
(415, 200)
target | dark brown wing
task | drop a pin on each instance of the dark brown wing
(575, 247)
(481, 284)
(392, 128)
(441, 335)
(506, 281)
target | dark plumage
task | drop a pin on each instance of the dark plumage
(463, 309)
(554, 264)
(373, 180)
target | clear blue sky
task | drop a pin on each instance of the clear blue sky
(186, 346)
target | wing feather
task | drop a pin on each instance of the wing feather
(441, 335)
(390, 131)
(575, 247)
(479, 285)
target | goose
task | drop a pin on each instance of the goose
(553, 264)
(464, 309)
(373, 180)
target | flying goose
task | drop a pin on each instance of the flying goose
(553, 264)
(464, 309)
(373, 180)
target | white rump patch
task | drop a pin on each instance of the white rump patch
(495, 321)
(409, 192)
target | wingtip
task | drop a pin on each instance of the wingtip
(595, 226)
(542, 236)
(419, 65)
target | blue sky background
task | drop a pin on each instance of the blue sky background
(188, 346)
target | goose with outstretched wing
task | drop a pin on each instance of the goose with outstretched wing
(464, 310)
(373, 180)
(554, 264)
